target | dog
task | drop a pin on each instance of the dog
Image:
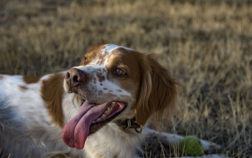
(98, 109)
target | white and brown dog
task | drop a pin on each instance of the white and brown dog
(101, 106)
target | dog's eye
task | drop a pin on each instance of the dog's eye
(119, 72)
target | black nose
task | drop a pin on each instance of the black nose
(75, 77)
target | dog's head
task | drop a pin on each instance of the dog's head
(114, 83)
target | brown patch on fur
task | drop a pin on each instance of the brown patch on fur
(92, 53)
(157, 91)
(31, 79)
(130, 63)
(23, 87)
(52, 93)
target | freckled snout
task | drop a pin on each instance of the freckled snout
(75, 77)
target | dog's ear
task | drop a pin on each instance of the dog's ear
(52, 92)
(157, 90)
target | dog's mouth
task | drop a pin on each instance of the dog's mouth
(90, 118)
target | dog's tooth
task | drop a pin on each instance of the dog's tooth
(113, 104)
(108, 111)
(103, 115)
(99, 119)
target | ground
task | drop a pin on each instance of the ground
(206, 44)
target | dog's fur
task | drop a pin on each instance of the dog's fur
(33, 110)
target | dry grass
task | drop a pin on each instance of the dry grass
(206, 44)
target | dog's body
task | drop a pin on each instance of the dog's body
(27, 129)
(33, 111)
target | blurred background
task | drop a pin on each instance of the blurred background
(206, 44)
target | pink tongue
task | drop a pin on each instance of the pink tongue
(76, 131)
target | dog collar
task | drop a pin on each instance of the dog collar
(130, 123)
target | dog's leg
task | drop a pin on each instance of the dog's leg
(174, 139)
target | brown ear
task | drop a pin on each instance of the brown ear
(157, 91)
(52, 93)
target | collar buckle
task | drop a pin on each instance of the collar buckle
(130, 123)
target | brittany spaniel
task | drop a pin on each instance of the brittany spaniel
(98, 109)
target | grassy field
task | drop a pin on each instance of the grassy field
(207, 45)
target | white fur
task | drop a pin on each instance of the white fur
(109, 48)
(111, 141)
(21, 100)
(35, 133)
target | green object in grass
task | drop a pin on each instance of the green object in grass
(191, 146)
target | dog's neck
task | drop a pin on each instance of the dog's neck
(113, 141)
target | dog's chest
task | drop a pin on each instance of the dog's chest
(111, 142)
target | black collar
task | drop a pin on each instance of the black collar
(129, 123)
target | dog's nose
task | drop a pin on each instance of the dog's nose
(75, 77)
